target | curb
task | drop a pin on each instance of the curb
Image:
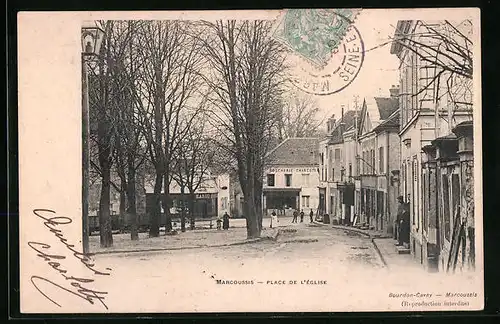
(355, 230)
(381, 256)
(368, 235)
(183, 247)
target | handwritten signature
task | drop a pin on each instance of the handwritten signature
(77, 285)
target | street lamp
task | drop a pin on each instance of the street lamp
(92, 37)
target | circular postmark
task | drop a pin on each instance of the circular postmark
(326, 51)
(341, 70)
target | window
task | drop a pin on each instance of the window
(364, 162)
(337, 155)
(288, 180)
(372, 162)
(455, 194)
(413, 174)
(403, 177)
(381, 159)
(333, 175)
(425, 201)
(446, 207)
(270, 180)
(305, 201)
(224, 203)
(305, 179)
(350, 170)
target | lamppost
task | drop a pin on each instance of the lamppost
(92, 37)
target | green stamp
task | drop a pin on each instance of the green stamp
(314, 33)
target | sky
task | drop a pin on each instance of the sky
(380, 68)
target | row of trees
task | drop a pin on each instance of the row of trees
(181, 98)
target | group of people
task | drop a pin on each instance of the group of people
(296, 214)
(224, 222)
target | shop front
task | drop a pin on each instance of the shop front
(346, 191)
(369, 200)
(281, 200)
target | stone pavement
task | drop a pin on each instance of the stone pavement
(385, 245)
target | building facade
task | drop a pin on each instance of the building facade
(430, 111)
(118, 200)
(292, 177)
(379, 156)
(337, 167)
(212, 197)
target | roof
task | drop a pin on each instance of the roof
(295, 151)
(447, 138)
(336, 136)
(391, 122)
(401, 29)
(386, 106)
(379, 109)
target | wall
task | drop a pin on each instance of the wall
(307, 189)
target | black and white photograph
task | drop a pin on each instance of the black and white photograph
(295, 160)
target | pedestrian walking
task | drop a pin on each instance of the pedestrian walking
(225, 221)
(302, 216)
(311, 214)
(274, 219)
(295, 215)
(219, 223)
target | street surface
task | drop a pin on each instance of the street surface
(309, 267)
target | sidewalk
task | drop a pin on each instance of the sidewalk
(187, 240)
(368, 233)
(385, 246)
(393, 260)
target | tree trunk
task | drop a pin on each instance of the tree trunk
(106, 235)
(191, 202)
(154, 229)
(183, 210)
(166, 204)
(258, 200)
(123, 204)
(132, 209)
(252, 222)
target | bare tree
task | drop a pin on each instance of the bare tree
(299, 116)
(103, 93)
(168, 81)
(245, 80)
(443, 52)
(130, 152)
(195, 159)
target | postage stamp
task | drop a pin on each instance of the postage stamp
(326, 48)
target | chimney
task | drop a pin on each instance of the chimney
(331, 123)
(342, 121)
(394, 90)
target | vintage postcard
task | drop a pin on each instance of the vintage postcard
(301, 160)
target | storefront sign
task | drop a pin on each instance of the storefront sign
(292, 170)
(206, 196)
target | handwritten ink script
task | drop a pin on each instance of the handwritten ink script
(72, 285)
